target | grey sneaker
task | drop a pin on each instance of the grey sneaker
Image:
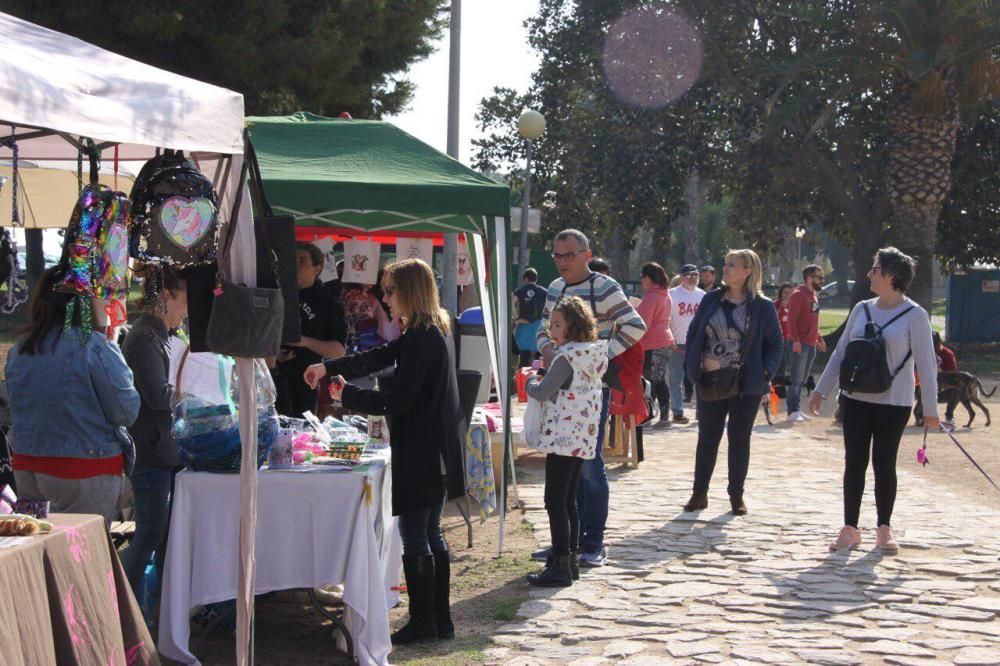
(542, 555)
(594, 560)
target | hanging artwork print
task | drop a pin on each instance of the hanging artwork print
(465, 275)
(361, 261)
(326, 246)
(175, 214)
(415, 248)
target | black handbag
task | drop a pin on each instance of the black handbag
(725, 383)
(246, 322)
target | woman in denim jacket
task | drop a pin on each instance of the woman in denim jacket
(71, 399)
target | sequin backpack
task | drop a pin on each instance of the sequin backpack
(175, 213)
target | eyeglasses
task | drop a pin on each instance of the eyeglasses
(819, 277)
(875, 269)
(565, 256)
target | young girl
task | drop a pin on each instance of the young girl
(570, 395)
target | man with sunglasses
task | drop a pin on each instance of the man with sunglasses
(620, 324)
(803, 331)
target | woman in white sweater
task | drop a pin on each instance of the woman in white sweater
(874, 422)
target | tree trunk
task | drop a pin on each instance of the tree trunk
(921, 149)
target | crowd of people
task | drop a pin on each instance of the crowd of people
(115, 406)
(728, 341)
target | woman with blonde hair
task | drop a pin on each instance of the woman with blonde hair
(734, 346)
(426, 435)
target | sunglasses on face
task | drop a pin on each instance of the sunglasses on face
(875, 269)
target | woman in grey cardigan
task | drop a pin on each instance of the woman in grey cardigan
(145, 348)
(874, 422)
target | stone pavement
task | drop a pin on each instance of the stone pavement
(762, 588)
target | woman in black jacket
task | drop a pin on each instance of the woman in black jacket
(145, 350)
(426, 435)
(735, 330)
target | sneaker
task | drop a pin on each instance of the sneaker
(681, 419)
(593, 560)
(849, 538)
(885, 541)
(797, 417)
(542, 555)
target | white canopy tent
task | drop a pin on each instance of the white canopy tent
(56, 91)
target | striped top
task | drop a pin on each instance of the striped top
(614, 312)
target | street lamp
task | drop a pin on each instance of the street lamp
(530, 125)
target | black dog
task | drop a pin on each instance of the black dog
(957, 387)
(780, 384)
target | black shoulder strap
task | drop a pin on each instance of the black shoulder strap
(900, 315)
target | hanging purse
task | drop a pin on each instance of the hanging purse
(246, 322)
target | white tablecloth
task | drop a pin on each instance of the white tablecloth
(313, 529)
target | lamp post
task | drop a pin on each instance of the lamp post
(530, 125)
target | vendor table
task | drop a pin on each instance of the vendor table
(66, 599)
(314, 528)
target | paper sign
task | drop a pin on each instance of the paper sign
(326, 246)
(205, 375)
(361, 261)
(415, 248)
(465, 277)
(991, 286)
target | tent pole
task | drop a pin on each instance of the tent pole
(449, 268)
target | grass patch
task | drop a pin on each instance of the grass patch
(981, 359)
(505, 610)
(458, 655)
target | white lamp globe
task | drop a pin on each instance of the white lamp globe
(531, 124)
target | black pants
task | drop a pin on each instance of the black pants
(711, 423)
(874, 430)
(562, 482)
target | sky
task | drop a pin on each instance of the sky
(495, 52)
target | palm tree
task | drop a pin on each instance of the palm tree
(942, 57)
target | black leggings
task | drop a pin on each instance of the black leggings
(875, 430)
(741, 410)
(562, 481)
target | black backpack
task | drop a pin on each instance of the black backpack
(865, 368)
(175, 213)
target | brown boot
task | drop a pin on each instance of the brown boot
(697, 502)
(739, 506)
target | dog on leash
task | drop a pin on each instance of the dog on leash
(957, 387)
(780, 384)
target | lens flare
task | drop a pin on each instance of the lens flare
(652, 57)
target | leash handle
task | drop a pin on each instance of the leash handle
(922, 451)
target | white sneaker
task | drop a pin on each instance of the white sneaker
(797, 417)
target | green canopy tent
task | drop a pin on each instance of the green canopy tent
(365, 177)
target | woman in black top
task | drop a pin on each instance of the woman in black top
(324, 334)
(145, 349)
(426, 435)
(736, 326)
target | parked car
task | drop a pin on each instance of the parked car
(832, 290)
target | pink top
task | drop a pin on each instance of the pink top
(655, 312)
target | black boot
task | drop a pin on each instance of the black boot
(738, 505)
(574, 564)
(555, 574)
(419, 573)
(442, 591)
(697, 502)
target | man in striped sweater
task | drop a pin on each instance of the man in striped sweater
(618, 322)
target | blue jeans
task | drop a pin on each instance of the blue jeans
(151, 487)
(421, 532)
(676, 365)
(594, 493)
(799, 366)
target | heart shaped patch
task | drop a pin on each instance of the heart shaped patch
(186, 221)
